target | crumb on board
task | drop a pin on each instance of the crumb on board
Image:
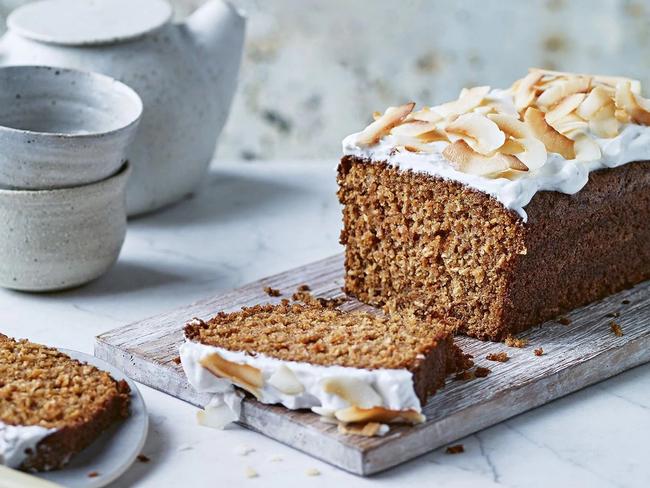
(312, 472)
(93, 474)
(481, 372)
(176, 360)
(516, 342)
(304, 287)
(143, 459)
(500, 357)
(250, 472)
(465, 375)
(539, 351)
(564, 320)
(616, 329)
(625, 302)
(309, 299)
(455, 449)
(272, 292)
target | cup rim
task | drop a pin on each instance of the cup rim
(123, 172)
(139, 106)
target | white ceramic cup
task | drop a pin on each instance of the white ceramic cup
(61, 128)
(62, 238)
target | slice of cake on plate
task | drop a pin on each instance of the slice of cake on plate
(349, 367)
(52, 406)
(503, 208)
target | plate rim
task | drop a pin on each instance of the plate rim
(59, 476)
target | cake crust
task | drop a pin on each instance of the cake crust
(446, 250)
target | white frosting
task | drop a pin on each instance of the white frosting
(558, 174)
(393, 388)
(16, 439)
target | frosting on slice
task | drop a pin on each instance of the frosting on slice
(340, 393)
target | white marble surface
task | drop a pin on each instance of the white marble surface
(256, 219)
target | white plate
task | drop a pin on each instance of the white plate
(115, 450)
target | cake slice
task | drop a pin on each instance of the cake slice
(504, 208)
(350, 367)
(52, 406)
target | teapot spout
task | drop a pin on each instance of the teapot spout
(217, 31)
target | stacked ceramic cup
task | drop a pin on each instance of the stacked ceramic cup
(63, 136)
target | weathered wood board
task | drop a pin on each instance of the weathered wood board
(575, 355)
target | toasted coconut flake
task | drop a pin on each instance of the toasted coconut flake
(562, 89)
(463, 158)
(469, 99)
(552, 139)
(534, 155)
(286, 381)
(511, 125)
(603, 123)
(609, 81)
(571, 123)
(243, 375)
(414, 145)
(424, 115)
(524, 91)
(356, 392)
(378, 414)
(380, 127)
(482, 135)
(597, 99)
(586, 148)
(512, 146)
(564, 107)
(421, 130)
(625, 99)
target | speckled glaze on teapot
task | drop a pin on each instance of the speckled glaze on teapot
(185, 73)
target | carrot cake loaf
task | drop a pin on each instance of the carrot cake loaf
(52, 406)
(350, 367)
(503, 208)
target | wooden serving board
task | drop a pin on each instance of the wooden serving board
(575, 355)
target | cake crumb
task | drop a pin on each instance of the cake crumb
(93, 474)
(481, 372)
(143, 459)
(564, 320)
(539, 351)
(244, 450)
(250, 472)
(625, 302)
(516, 342)
(616, 329)
(304, 287)
(276, 459)
(456, 449)
(312, 472)
(176, 360)
(500, 357)
(465, 375)
(272, 292)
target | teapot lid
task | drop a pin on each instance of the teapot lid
(88, 22)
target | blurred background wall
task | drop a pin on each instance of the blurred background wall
(314, 70)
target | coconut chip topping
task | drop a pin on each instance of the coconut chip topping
(485, 134)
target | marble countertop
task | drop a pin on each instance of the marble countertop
(252, 220)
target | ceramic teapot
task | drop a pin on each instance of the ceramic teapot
(185, 73)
